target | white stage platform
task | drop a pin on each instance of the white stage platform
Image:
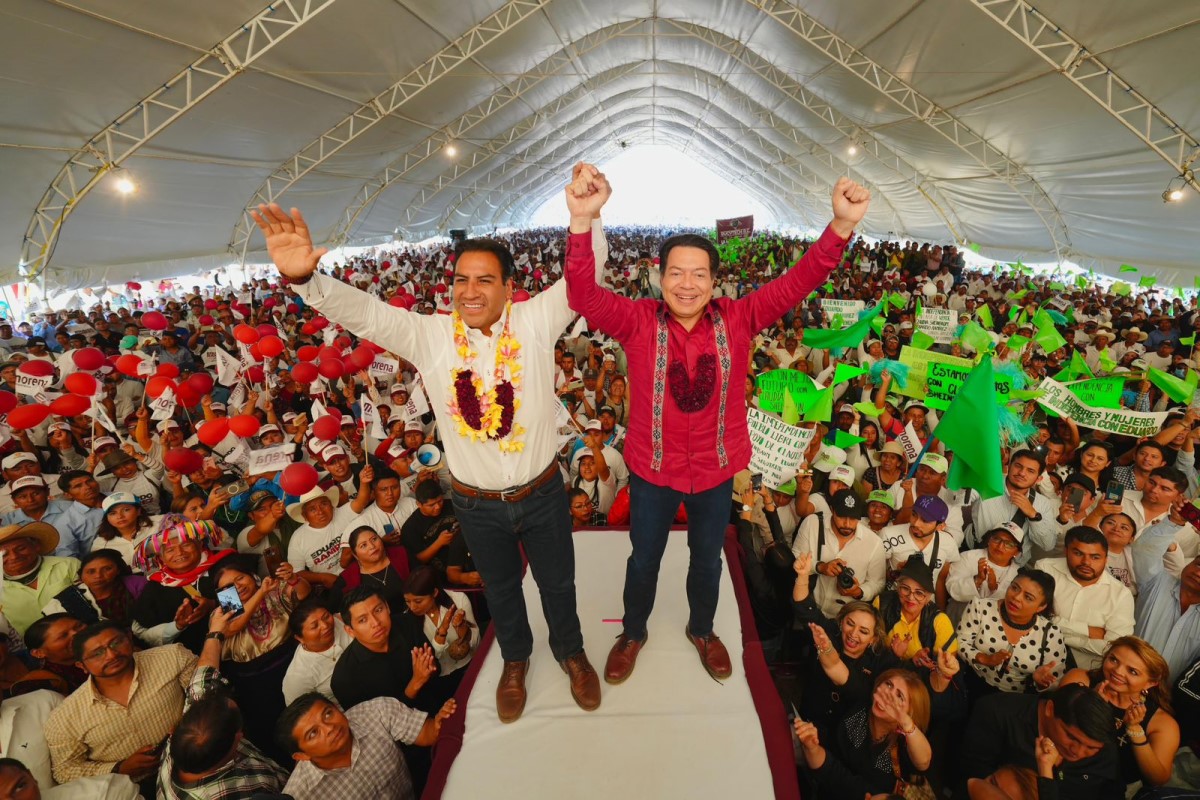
(670, 731)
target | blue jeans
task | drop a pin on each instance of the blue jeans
(496, 531)
(651, 509)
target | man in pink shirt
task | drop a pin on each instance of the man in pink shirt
(687, 434)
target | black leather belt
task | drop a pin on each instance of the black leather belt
(513, 494)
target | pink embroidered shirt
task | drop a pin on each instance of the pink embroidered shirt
(689, 459)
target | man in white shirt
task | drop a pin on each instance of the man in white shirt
(1091, 607)
(849, 557)
(1035, 513)
(391, 508)
(502, 467)
(315, 549)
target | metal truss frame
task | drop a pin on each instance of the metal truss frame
(1112, 92)
(384, 104)
(922, 108)
(108, 149)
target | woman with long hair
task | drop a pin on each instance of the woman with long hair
(124, 525)
(1011, 644)
(63, 452)
(875, 748)
(449, 622)
(1094, 459)
(1135, 681)
(985, 574)
(616, 399)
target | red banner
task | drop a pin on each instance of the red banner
(736, 228)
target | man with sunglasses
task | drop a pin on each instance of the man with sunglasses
(119, 719)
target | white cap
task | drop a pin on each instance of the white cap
(593, 425)
(398, 387)
(58, 426)
(333, 451)
(842, 473)
(269, 428)
(27, 481)
(829, 458)
(103, 441)
(414, 425)
(119, 498)
(11, 461)
(166, 425)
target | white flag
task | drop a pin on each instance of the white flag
(228, 368)
(911, 442)
(163, 407)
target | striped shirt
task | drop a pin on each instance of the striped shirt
(88, 734)
(377, 767)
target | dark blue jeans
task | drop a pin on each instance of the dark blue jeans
(495, 532)
(651, 509)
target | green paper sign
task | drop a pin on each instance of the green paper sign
(1147, 281)
(773, 384)
(1100, 393)
(1128, 268)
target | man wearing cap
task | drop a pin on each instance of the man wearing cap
(38, 350)
(353, 480)
(926, 534)
(592, 474)
(1021, 503)
(390, 509)
(841, 546)
(614, 433)
(840, 477)
(593, 437)
(32, 575)
(590, 378)
(121, 472)
(500, 472)
(930, 479)
(269, 525)
(687, 430)
(32, 499)
(7, 340)
(18, 465)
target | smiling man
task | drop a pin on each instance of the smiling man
(490, 380)
(687, 433)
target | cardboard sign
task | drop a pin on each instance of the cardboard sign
(918, 362)
(32, 384)
(270, 459)
(777, 448)
(938, 323)
(943, 382)
(848, 309)
(1099, 392)
(772, 385)
(1062, 401)
(382, 365)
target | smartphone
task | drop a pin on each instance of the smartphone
(1075, 498)
(230, 601)
(235, 488)
(1114, 492)
(756, 481)
(272, 558)
(161, 747)
(1190, 513)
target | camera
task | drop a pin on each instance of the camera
(845, 578)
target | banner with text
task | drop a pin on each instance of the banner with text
(946, 381)
(270, 459)
(777, 447)
(1099, 392)
(1062, 401)
(773, 384)
(736, 228)
(939, 323)
(848, 309)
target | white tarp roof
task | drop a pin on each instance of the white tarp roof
(757, 89)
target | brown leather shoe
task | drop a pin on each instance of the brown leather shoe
(510, 692)
(621, 659)
(713, 654)
(585, 684)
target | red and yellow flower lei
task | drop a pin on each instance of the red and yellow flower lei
(487, 415)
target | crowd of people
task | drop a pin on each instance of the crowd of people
(265, 549)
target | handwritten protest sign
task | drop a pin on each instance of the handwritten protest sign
(947, 382)
(777, 447)
(773, 384)
(1059, 399)
(938, 323)
(848, 309)
(1101, 392)
(943, 381)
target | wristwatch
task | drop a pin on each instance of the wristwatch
(218, 635)
(746, 507)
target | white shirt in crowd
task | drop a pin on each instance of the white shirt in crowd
(1105, 604)
(863, 553)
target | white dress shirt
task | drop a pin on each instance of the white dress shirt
(22, 735)
(863, 553)
(428, 342)
(1105, 604)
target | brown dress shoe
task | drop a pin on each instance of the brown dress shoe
(585, 684)
(713, 654)
(621, 659)
(510, 692)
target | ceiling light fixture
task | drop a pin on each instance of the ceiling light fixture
(451, 150)
(1174, 192)
(124, 185)
(852, 150)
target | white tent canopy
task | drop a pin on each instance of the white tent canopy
(1045, 134)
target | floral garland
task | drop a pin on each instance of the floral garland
(483, 415)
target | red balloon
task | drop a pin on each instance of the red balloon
(359, 359)
(168, 370)
(292, 308)
(207, 319)
(267, 330)
(327, 428)
(298, 478)
(128, 364)
(307, 353)
(270, 302)
(329, 353)
(154, 320)
(320, 323)
(8, 401)
(188, 397)
(82, 383)
(201, 382)
(256, 374)
(70, 405)
(137, 287)
(305, 372)
(37, 368)
(308, 329)
(183, 460)
(331, 368)
(210, 304)
(244, 425)
(159, 384)
(213, 431)
(255, 352)
(29, 416)
(520, 296)
(88, 358)
(271, 346)
(245, 334)
(398, 301)
(343, 342)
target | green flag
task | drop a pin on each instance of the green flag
(1128, 268)
(822, 339)
(828, 287)
(791, 414)
(974, 247)
(1018, 295)
(1196, 282)
(1121, 288)
(1026, 394)
(897, 300)
(976, 461)
(976, 337)
(1081, 282)
(1178, 390)
(921, 340)
(1049, 339)
(843, 440)
(1147, 281)
(847, 372)
(1179, 291)
(1188, 340)
(1106, 361)
(1076, 368)
(877, 324)
(868, 409)
(1017, 343)
(821, 409)
(984, 313)
(1057, 287)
